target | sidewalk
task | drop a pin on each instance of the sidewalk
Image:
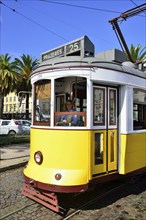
(13, 156)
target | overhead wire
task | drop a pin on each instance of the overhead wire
(136, 5)
(40, 25)
(61, 21)
(47, 14)
(80, 6)
(133, 2)
(60, 3)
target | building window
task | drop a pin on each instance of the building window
(6, 107)
(14, 106)
(11, 108)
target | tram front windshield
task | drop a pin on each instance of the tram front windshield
(68, 91)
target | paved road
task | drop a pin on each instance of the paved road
(13, 156)
(15, 206)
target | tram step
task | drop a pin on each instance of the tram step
(48, 199)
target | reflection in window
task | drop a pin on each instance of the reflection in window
(112, 107)
(42, 101)
(98, 148)
(99, 106)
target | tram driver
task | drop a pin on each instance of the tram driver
(68, 119)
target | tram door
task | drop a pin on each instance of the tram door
(104, 136)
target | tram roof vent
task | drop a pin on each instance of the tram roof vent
(130, 64)
(112, 55)
(82, 47)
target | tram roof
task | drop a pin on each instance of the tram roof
(77, 61)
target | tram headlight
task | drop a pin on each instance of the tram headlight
(38, 157)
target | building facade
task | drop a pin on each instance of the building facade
(15, 107)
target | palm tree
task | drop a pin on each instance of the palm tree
(8, 78)
(24, 66)
(138, 54)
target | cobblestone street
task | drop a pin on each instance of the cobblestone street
(15, 206)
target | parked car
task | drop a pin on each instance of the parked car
(25, 125)
(10, 127)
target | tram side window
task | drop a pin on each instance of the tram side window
(99, 106)
(139, 110)
(42, 102)
(112, 107)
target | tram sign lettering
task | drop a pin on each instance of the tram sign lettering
(79, 47)
(73, 47)
(62, 51)
(53, 53)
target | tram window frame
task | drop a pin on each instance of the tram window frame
(38, 113)
(139, 109)
(98, 151)
(96, 105)
(112, 106)
(72, 88)
(139, 121)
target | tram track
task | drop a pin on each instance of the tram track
(108, 197)
(16, 211)
(92, 201)
(79, 205)
(70, 213)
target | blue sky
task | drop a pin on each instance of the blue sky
(37, 26)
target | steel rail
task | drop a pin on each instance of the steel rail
(92, 201)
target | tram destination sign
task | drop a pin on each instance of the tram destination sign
(53, 53)
(73, 47)
(62, 51)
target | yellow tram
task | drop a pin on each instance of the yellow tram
(109, 137)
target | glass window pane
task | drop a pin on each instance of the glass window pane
(70, 101)
(98, 148)
(99, 106)
(43, 98)
(112, 107)
(139, 96)
(139, 109)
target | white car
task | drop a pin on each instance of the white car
(25, 125)
(10, 127)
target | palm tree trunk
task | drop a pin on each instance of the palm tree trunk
(1, 105)
(27, 106)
